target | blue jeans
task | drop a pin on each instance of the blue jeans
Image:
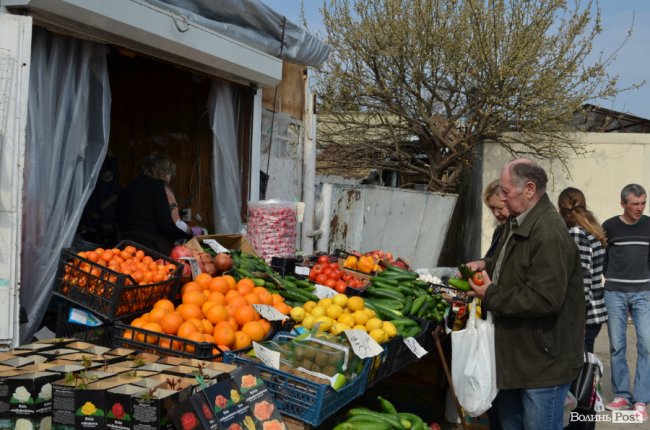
(531, 408)
(638, 304)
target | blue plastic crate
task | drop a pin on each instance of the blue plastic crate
(301, 398)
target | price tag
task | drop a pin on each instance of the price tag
(194, 265)
(270, 313)
(415, 347)
(323, 292)
(302, 270)
(79, 316)
(216, 246)
(267, 356)
(363, 345)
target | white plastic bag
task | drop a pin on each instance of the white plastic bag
(473, 366)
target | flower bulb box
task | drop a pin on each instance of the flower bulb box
(151, 408)
(206, 373)
(250, 384)
(119, 406)
(20, 361)
(65, 390)
(5, 394)
(30, 398)
(226, 402)
(195, 413)
(167, 381)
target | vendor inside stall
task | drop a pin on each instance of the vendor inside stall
(147, 212)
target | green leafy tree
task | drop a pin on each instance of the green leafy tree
(415, 85)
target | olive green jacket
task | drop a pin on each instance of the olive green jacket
(538, 303)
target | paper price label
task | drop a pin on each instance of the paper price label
(270, 313)
(216, 246)
(194, 265)
(363, 345)
(267, 356)
(415, 347)
(323, 292)
(302, 270)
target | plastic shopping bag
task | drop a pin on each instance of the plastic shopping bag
(473, 366)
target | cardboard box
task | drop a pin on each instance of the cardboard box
(228, 241)
(228, 404)
(191, 372)
(19, 361)
(194, 413)
(68, 396)
(5, 415)
(119, 407)
(214, 365)
(250, 384)
(151, 408)
(30, 400)
(174, 361)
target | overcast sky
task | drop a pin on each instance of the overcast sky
(632, 64)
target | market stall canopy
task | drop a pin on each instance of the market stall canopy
(255, 24)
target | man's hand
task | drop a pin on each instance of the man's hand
(479, 290)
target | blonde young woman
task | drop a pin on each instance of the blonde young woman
(590, 238)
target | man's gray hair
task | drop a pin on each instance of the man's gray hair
(525, 170)
(635, 189)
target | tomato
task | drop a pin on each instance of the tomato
(330, 283)
(334, 266)
(329, 273)
(312, 275)
(337, 274)
(318, 268)
(478, 278)
(347, 277)
(321, 279)
(340, 287)
(323, 259)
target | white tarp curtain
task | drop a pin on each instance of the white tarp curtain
(223, 105)
(255, 24)
(67, 137)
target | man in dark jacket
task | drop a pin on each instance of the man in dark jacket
(533, 286)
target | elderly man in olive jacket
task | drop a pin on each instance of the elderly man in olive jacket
(533, 286)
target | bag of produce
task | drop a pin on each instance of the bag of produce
(272, 228)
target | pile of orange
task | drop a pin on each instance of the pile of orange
(217, 310)
(131, 261)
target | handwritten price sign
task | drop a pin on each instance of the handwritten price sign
(270, 313)
(415, 347)
(267, 356)
(363, 345)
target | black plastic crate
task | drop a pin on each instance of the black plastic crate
(101, 335)
(397, 355)
(110, 294)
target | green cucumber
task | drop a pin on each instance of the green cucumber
(384, 281)
(370, 305)
(465, 271)
(387, 303)
(459, 284)
(404, 322)
(399, 277)
(417, 304)
(374, 282)
(389, 313)
(425, 307)
(386, 406)
(392, 268)
(388, 293)
(416, 421)
(305, 285)
(420, 284)
(259, 282)
(245, 273)
(392, 420)
(407, 304)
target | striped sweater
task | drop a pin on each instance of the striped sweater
(627, 260)
(592, 257)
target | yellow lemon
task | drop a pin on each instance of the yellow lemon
(360, 317)
(333, 311)
(374, 323)
(340, 299)
(359, 327)
(308, 322)
(378, 335)
(370, 312)
(347, 319)
(325, 302)
(339, 328)
(325, 323)
(389, 328)
(317, 311)
(355, 303)
(297, 314)
(308, 306)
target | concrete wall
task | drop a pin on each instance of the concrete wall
(613, 161)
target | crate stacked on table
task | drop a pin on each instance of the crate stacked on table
(94, 284)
